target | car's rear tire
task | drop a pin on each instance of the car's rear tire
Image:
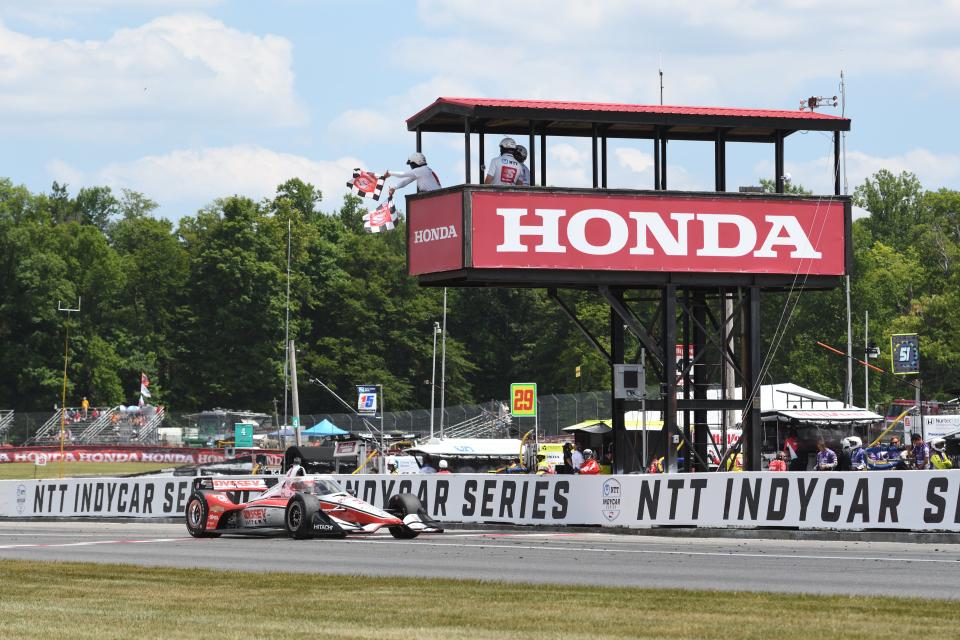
(297, 518)
(402, 505)
(196, 515)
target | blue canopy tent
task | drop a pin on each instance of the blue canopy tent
(324, 428)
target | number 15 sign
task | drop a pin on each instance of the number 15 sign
(523, 399)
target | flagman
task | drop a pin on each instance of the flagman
(426, 179)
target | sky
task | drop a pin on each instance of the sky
(191, 100)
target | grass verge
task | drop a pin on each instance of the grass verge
(80, 601)
(28, 470)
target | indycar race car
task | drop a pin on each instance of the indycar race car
(304, 506)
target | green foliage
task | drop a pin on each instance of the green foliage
(201, 306)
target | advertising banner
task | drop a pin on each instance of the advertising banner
(184, 455)
(646, 232)
(909, 500)
(435, 234)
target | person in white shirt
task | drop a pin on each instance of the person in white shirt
(426, 179)
(577, 458)
(520, 153)
(504, 169)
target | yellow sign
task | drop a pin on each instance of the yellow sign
(578, 371)
(523, 399)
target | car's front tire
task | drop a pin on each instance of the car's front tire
(402, 505)
(196, 515)
(297, 518)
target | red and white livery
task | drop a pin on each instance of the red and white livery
(301, 505)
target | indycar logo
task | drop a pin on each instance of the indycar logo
(610, 500)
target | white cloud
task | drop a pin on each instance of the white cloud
(186, 68)
(194, 177)
(634, 159)
(935, 170)
(384, 122)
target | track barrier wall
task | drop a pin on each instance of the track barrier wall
(909, 500)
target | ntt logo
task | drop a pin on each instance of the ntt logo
(436, 233)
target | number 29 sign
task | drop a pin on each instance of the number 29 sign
(523, 399)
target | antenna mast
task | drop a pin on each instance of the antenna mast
(660, 70)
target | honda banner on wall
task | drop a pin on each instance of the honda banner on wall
(641, 232)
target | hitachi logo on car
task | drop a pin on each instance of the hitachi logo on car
(436, 233)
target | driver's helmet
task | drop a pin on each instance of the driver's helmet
(508, 144)
(588, 453)
(417, 159)
(850, 443)
(938, 444)
(520, 153)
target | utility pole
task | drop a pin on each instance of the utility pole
(66, 352)
(443, 363)
(433, 375)
(866, 353)
(286, 338)
(848, 393)
(295, 396)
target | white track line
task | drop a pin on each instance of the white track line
(719, 554)
(42, 545)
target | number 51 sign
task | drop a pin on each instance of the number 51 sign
(905, 353)
(523, 399)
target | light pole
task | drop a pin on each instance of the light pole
(63, 396)
(433, 374)
(443, 363)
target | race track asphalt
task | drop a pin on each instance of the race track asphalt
(810, 566)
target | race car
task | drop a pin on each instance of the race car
(303, 506)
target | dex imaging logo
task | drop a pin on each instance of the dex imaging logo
(610, 500)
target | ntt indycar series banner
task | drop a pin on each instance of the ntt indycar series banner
(909, 500)
(882, 500)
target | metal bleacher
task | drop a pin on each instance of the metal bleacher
(484, 425)
(6, 421)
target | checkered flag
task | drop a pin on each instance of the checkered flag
(382, 218)
(366, 184)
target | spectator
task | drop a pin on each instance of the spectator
(577, 457)
(735, 462)
(504, 169)
(567, 466)
(779, 463)
(444, 467)
(590, 467)
(853, 447)
(894, 447)
(920, 452)
(938, 457)
(520, 153)
(427, 466)
(608, 459)
(85, 405)
(791, 449)
(426, 179)
(826, 458)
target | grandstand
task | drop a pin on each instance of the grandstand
(6, 421)
(101, 425)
